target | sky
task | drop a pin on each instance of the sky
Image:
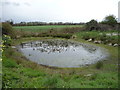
(57, 10)
(119, 11)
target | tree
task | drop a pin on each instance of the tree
(10, 21)
(92, 25)
(110, 20)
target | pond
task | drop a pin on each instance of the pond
(62, 53)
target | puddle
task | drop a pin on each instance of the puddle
(62, 53)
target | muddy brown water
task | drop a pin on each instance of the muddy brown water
(62, 53)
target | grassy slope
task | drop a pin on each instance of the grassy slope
(19, 72)
(99, 36)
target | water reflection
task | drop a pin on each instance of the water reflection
(56, 46)
(62, 53)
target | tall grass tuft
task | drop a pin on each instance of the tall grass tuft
(51, 81)
(99, 65)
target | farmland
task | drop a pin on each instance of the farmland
(44, 28)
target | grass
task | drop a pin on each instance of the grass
(22, 73)
(17, 78)
(9, 63)
(98, 35)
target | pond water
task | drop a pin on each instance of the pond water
(62, 53)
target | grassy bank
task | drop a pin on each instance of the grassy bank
(105, 37)
(19, 72)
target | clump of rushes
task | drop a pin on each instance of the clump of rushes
(99, 65)
(6, 40)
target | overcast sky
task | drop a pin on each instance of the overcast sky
(57, 10)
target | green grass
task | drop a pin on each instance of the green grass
(18, 72)
(44, 28)
(17, 78)
(98, 35)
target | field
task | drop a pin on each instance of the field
(19, 72)
(66, 31)
(44, 28)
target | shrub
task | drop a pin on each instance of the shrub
(92, 25)
(68, 36)
(8, 30)
(110, 20)
(59, 35)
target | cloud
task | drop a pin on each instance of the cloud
(16, 4)
(27, 4)
(10, 3)
(7, 3)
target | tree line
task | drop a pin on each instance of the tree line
(41, 23)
